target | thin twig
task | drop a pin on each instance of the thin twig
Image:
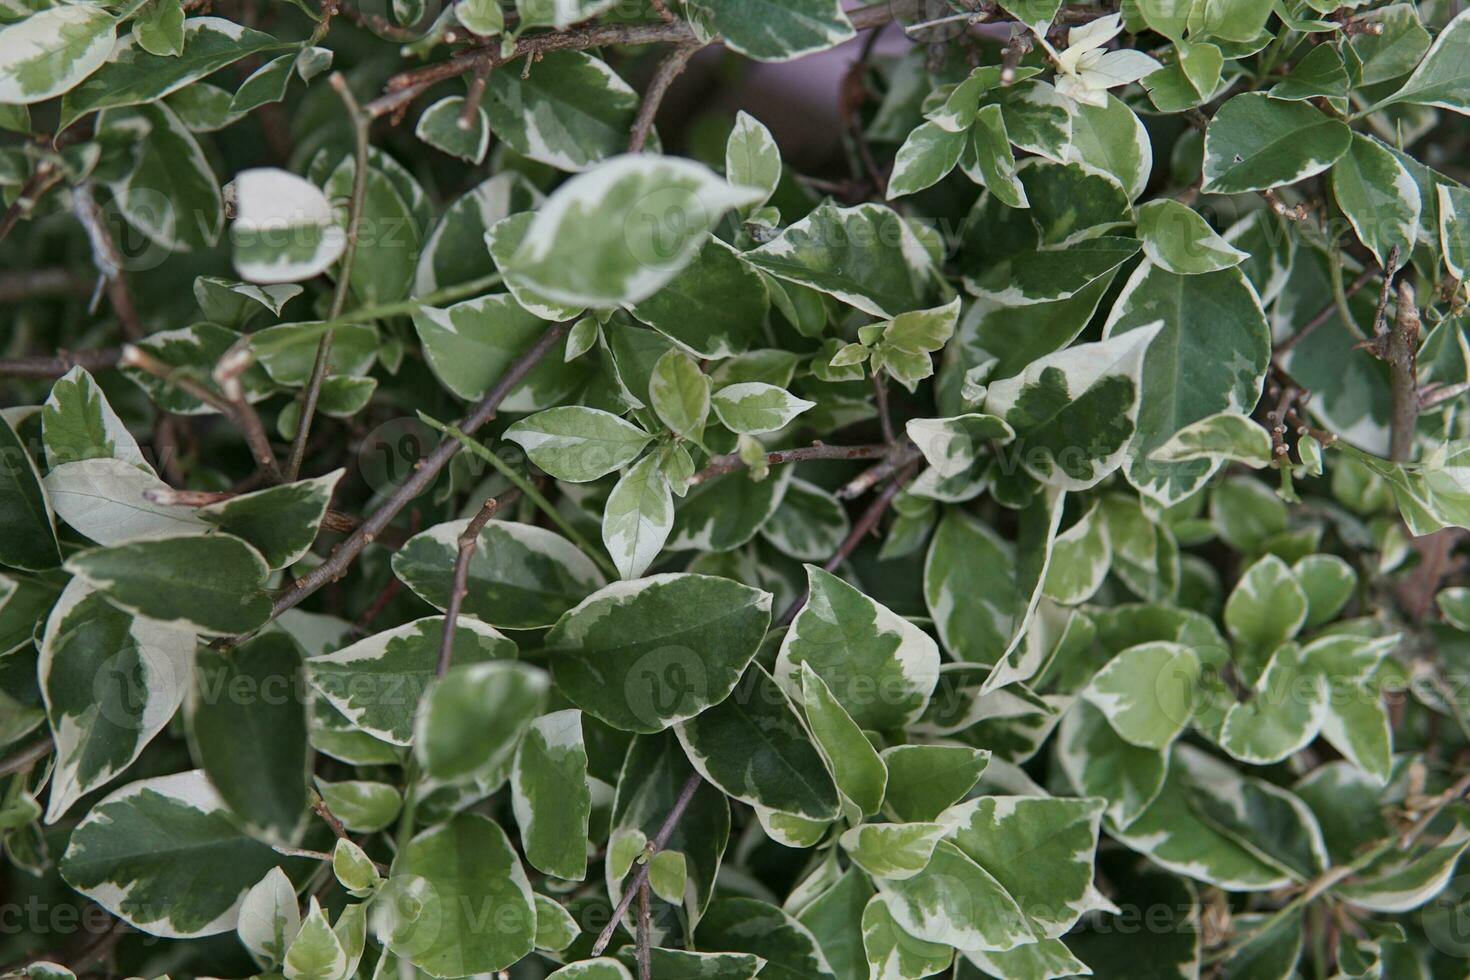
(310, 855)
(107, 259)
(645, 970)
(640, 874)
(870, 477)
(46, 176)
(880, 399)
(423, 476)
(139, 358)
(1322, 315)
(227, 377)
(54, 366)
(459, 585)
(312, 392)
(730, 462)
(27, 757)
(25, 284)
(319, 806)
(668, 69)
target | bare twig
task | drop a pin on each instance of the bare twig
(139, 358)
(319, 806)
(730, 462)
(26, 757)
(640, 874)
(1398, 347)
(424, 474)
(227, 376)
(880, 399)
(459, 585)
(46, 176)
(870, 477)
(645, 970)
(107, 259)
(1322, 315)
(61, 362)
(27, 284)
(668, 69)
(312, 392)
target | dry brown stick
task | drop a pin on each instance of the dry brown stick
(640, 875)
(870, 477)
(668, 69)
(24, 284)
(730, 462)
(54, 366)
(645, 970)
(337, 563)
(459, 585)
(312, 392)
(880, 399)
(319, 806)
(1400, 350)
(227, 376)
(137, 357)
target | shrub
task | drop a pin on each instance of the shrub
(452, 528)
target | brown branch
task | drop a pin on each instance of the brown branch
(459, 585)
(319, 806)
(640, 875)
(227, 376)
(870, 477)
(424, 474)
(139, 358)
(645, 970)
(332, 520)
(668, 69)
(26, 757)
(25, 284)
(730, 462)
(107, 259)
(880, 399)
(1398, 347)
(46, 176)
(55, 366)
(1323, 315)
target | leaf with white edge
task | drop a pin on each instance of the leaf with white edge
(638, 516)
(1283, 714)
(213, 585)
(471, 344)
(1100, 763)
(1398, 884)
(520, 576)
(925, 780)
(472, 718)
(621, 231)
(754, 747)
(645, 654)
(578, 444)
(280, 522)
(746, 925)
(378, 681)
(571, 116)
(1038, 118)
(77, 423)
(714, 307)
(383, 266)
(994, 161)
(284, 229)
(132, 76)
(1265, 609)
(891, 953)
(680, 393)
(1074, 411)
(1147, 692)
(1267, 820)
(880, 667)
(144, 845)
(170, 192)
(1441, 79)
(1052, 272)
(892, 850)
(866, 256)
(441, 883)
(1177, 239)
(1379, 197)
(555, 927)
(503, 241)
(856, 767)
(52, 50)
(315, 953)
(1454, 241)
(1081, 557)
(1113, 139)
(551, 795)
(104, 499)
(27, 529)
(1209, 356)
(362, 805)
(266, 786)
(439, 126)
(769, 31)
(111, 682)
(454, 252)
(753, 407)
(970, 588)
(269, 918)
(925, 158)
(956, 902)
(1255, 142)
(752, 158)
(600, 968)
(809, 525)
(1220, 438)
(195, 350)
(1329, 582)
(726, 511)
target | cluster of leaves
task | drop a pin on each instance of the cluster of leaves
(1032, 554)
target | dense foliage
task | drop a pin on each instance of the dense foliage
(452, 528)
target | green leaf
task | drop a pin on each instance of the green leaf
(1255, 142)
(752, 158)
(638, 517)
(925, 158)
(1329, 582)
(768, 31)
(52, 50)
(159, 27)
(956, 902)
(439, 126)
(892, 953)
(1053, 273)
(377, 682)
(1454, 243)
(1100, 763)
(27, 534)
(1398, 883)
(1147, 692)
(713, 307)
(284, 228)
(880, 667)
(1283, 714)
(753, 746)
(620, 232)
(555, 927)
(1113, 139)
(573, 114)
(269, 918)
(1209, 356)
(601, 968)
(213, 585)
(384, 264)
(106, 500)
(1379, 197)
(1178, 240)
(1081, 557)
(1265, 609)
(1442, 79)
(551, 795)
(1220, 438)
(753, 407)
(472, 719)
(429, 911)
(924, 780)
(578, 444)
(726, 511)
(994, 161)
(1074, 411)
(77, 423)
(361, 805)
(679, 393)
(643, 655)
(892, 850)
(855, 765)
(866, 256)
(193, 350)
(111, 682)
(169, 192)
(315, 953)
(520, 576)
(810, 523)
(253, 695)
(132, 76)
(280, 522)
(746, 925)
(144, 845)
(1320, 74)
(454, 251)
